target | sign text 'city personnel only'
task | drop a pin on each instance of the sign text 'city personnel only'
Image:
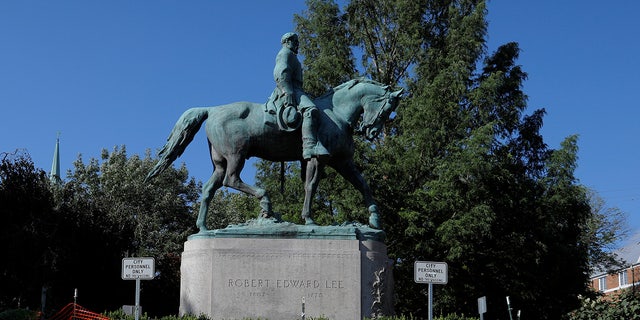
(430, 272)
(138, 268)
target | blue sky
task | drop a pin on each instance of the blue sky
(111, 73)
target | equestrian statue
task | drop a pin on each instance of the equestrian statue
(288, 127)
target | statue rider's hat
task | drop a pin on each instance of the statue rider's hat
(287, 36)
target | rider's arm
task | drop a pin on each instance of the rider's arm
(283, 77)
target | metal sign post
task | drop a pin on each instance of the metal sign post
(75, 301)
(430, 301)
(430, 272)
(138, 269)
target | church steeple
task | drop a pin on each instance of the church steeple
(54, 176)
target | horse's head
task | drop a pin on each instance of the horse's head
(377, 109)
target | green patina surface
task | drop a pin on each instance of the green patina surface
(274, 229)
(241, 130)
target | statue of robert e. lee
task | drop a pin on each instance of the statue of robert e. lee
(288, 76)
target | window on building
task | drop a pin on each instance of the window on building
(602, 283)
(624, 278)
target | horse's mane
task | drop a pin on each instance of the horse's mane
(350, 84)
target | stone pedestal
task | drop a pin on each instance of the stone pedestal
(340, 272)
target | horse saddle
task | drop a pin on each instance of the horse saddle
(286, 117)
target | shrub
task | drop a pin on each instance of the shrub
(19, 314)
(626, 306)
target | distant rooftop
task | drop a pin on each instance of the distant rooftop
(630, 252)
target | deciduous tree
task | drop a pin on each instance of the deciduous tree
(27, 232)
(117, 215)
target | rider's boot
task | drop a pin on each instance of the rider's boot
(311, 146)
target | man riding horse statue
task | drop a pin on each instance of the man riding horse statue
(272, 131)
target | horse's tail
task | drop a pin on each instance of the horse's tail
(182, 134)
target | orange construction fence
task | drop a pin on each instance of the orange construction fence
(74, 311)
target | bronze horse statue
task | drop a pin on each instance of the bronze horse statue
(241, 130)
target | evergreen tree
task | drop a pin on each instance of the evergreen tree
(462, 174)
(324, 45)
(389, 34)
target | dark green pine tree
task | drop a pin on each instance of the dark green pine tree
(475, 172)
(434, 214)
(324, 46)
(388, 34)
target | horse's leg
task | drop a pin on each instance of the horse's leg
(312, 179)
(208, 190)
(350, 173)
(211, 186)
(232, 179)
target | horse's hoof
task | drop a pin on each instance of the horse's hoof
(265, 214)
(203, 230)
(309, 222)
(277, 216)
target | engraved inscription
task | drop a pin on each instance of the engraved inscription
(309, 288)
(285, 283)
(249, 283)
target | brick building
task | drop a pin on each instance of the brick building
(627, 277)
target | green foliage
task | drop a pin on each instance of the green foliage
(230, 208)
(19, 314)
(455, 316)
(324, 46)
(626, 305)
(285, 188)
(28, 229)
(389, 34)
(393, 318)
(602, 230)
(112, 213)
(74, 234)
(120, 315)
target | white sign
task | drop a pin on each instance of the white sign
(482, 305)
(138, 268)
(430, 272)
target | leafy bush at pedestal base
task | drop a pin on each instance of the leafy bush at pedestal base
(626, 306)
